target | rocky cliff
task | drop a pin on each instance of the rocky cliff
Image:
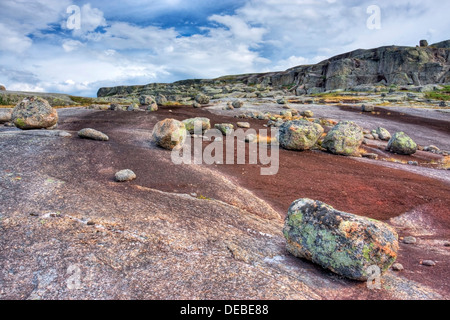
(384, 66)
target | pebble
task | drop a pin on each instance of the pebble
(410, 240)
(125, 175)
(398, 267)
(428, 263)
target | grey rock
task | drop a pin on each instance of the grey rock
(344, 139)
(238, 104)
(308, 114)
(368, 108)
(202, 124)
(125, 176)
(397, 267)
(34, 113)
(92, 134)
(146, 100)
(169, 134)
(202, 99)
(401, 144)
(299, 135)
(5, 115)
(429, 263)
(244, 125)
(383, 134)
(342, 242)
(225, 128)
(410, 240)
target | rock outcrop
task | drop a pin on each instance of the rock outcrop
(342, 242)
(385, 66)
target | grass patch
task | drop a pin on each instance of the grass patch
(86, 101)
(442, 94)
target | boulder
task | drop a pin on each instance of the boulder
(383, 134)
(308, 114)
(344, 243)
(153, 107)
(169, 134)
(368, 108)
(299, 135)
(5, 115)
(238, 104)
(2, 88)
(197, 105)
(281, 101)
(93, 135)
(344, 139)
(202, 99)
(125, 176)
(203, 123)
(34, 113)
(401, 143)
(161, 100)
(146, 100)
(225, 128)
(423, 43)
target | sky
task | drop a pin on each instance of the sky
(76, 47)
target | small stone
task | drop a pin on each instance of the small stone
(428, 263)
(238, 104)
(398, 267)
(125, 175)
(413, 163)
(244, 125)
(91, 223)
(308, 114)
(372, 156)
(368, 108)
(447, 244)
(92, 135)
(410, 240)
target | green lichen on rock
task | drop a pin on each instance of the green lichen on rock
(169, 134)
(341, 242)
(401, 143)
(299, 135)
(344, 139)
(201, 124)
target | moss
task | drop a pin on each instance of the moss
(20, 123)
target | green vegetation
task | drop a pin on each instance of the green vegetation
(86, 101)
(443, 94)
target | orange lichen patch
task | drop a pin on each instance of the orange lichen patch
(446, 162)
(267, 140)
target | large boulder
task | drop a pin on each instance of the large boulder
(34, 113)
(2, 88)
(299, 135)
(202, 99)
(203, 123)
(338, 241)
(169, 134)
(344, 139)
(161, 100)
(401, 143)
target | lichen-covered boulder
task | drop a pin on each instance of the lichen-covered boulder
(344, 139)
(161, 100)
(368, 108)
(34, 113)
(308, 114)
(338, 241)
(202, 123)
(153, 107)
(226, 128)
(401, 143)
(202, 99)
(147, 100)
(383, 134)
(92, 134)
(169, 134)
(299, 135)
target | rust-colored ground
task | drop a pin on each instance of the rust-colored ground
(347, 184)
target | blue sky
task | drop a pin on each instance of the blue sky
(140, 42)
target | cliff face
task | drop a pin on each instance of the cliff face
(381, 66)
